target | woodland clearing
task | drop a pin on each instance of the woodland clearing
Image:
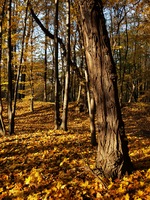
(40, 163)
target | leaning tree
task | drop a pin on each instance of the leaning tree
(112, 155)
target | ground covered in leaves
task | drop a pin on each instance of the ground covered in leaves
(39, 163)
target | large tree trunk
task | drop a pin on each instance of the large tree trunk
(112, 156)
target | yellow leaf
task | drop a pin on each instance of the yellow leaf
(127, 197)
(141, 183)
(85, 184)
(64, 161)
(1, 190)
(59, 185)
(98, 195)
(28, 180)
(121, 189)
(63, 186)
(148, 173)
(140, 192)
(33, 196)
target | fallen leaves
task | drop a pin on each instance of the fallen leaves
(41, 163)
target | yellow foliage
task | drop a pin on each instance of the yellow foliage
(127, 197)
(34, 177)
(33, 197)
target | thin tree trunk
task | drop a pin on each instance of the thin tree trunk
(31, 73)
(79, 93)
(20, 64)
(57, 113)
(67, 78)
(10, 113)
(125, 60)
(2, 127)
(131, 94)
(45, 60)
(45, 71)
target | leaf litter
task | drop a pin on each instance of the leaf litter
(40, 163)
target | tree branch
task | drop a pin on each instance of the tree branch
(51, 36)
(45, 30)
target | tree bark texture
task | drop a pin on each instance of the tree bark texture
(112, 156)
(91, 108)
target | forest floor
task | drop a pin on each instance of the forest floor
(40, 163)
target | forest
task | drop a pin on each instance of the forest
(74, 99)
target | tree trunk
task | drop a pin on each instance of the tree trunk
(57, 114)
(2, 127)
(45, 59)
(67, 77)
(112, 156)
(10, 112)
(31, 72)
(91, 108)
(20, 64)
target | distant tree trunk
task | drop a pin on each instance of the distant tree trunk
(45, 71)
(67, 78)
(31, 73)
(112, 156)
(79, 93)
(131, 93)
(57, 114)
(45, 60)
(62, 77)
(2, 127)
(91, 108)
(125, 61)
(10, 88)
(20, 63)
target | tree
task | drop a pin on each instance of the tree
(20, 64)
(67, 78)
(46, 45)
(2, 127)
(10, 95)
(57, 114)
(112, 155)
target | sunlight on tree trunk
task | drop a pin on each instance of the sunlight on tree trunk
(57, 114)
(10, 112)
(67, 77)
(91, 108)
(112, 156)
(2, 127)
(31, 73)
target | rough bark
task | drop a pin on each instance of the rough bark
(91, 108)
(112, 155)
